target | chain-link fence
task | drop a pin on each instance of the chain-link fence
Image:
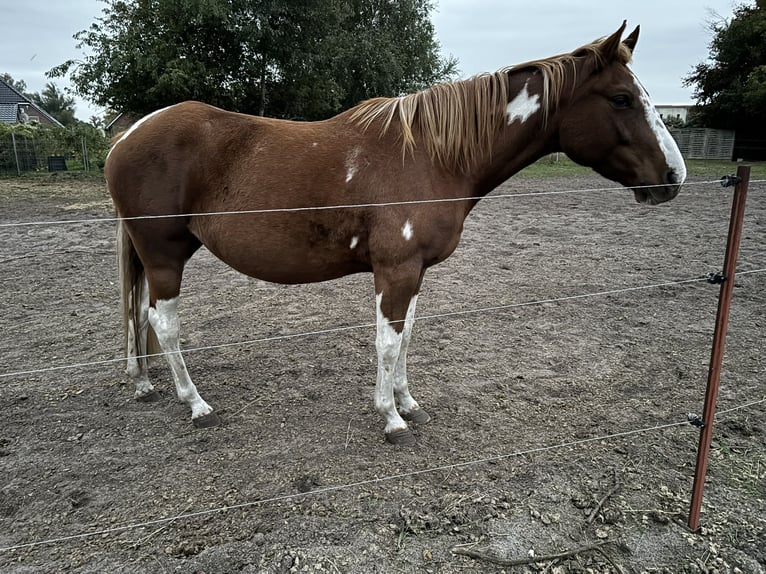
(46, 150)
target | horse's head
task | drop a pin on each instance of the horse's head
(608, 123)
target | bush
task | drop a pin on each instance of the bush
(34, 143)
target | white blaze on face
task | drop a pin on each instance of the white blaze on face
(135, 126)
(523, 106)
(407, 230)
(667, 144)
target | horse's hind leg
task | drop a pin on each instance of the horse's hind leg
(137, 367)
(163, 316)
(163, 262)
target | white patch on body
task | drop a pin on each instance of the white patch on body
(407, 230)
(314, 144)
(135, 126)
(352, 163)
(667, 144)
(354, 242)
(522, 106)
(163, 318)
(388, 344)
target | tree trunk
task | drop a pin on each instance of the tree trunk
(262, 110)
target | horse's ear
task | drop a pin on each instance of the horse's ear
(610, 46)
(632, 40)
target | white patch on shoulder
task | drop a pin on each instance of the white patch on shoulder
(135, 126)
(352, 163)
(354, 242)
(667, 144)
(407, 230)
(522, 106)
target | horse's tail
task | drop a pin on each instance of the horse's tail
(132, 285)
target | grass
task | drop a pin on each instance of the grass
(711, 169)
(547, 167)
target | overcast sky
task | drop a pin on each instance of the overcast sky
(484, 35)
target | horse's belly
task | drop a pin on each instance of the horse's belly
(290, 266)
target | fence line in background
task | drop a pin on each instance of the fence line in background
(332, 207)
(369, 482)
(331, 330)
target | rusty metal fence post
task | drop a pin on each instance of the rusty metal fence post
(719, 342)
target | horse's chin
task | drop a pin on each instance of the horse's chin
(655, 195)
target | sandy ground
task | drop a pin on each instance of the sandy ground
(299, 479)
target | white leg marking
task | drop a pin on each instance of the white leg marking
(522, 106)
(133, 128)
(388, 343)
(401, 387)
(136, 369)
(354, 242)
(407, 230)
(667, 144)
(164, 320)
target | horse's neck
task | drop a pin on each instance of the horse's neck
(522, 140)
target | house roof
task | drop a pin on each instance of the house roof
(9, 113)
(10, 98)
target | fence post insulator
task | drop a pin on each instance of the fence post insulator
(695, 420)
(730, 180)
(716, 278)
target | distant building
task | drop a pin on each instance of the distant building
(119, 124)
(674, 112)
(16, 108)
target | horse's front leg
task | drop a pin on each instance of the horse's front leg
(396, 294)
(408, 407)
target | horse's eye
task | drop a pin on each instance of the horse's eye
(620, 101)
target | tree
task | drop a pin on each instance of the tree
(286, 58)
(390, 50)
(56, 103)
(19, 85)
(730, 89)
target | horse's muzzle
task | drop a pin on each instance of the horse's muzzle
(654, 194)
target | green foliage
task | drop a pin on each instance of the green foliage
(36, 143)
(286, 58)
(730, 89)
(673, 123)
(20, 85)
(56, 103)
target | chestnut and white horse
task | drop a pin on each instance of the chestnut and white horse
(454, 140)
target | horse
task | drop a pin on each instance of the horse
(383, 187)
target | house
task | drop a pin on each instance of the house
(679, 112)
(16, 108)
(119, 124)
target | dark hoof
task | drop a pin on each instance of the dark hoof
(150, 397)
(207, 421)
(403, 437)
(417, 416)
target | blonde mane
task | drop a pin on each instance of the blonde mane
(458, 121)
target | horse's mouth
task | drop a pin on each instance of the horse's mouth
(656, 194)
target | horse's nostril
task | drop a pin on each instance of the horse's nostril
(672, 177)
